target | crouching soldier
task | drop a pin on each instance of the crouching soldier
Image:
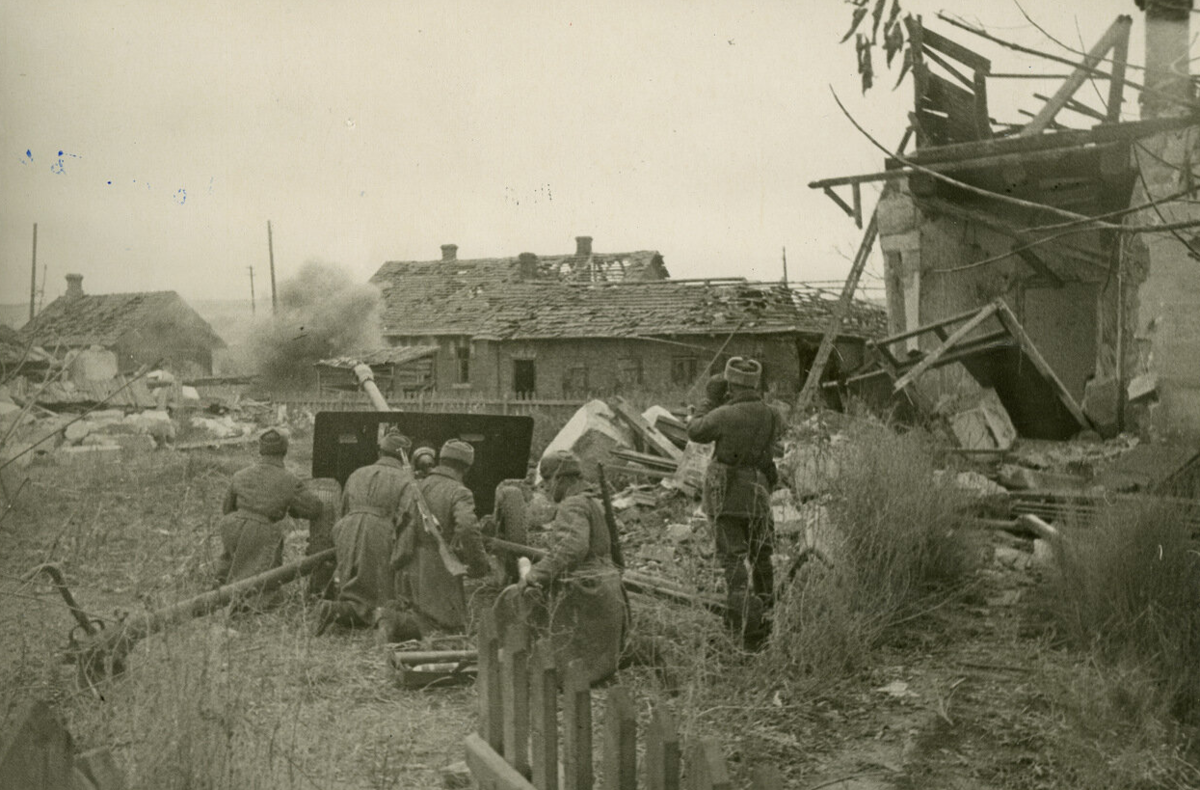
(378, 502)
(737, 494)
(259, 497)
(427, 583)
(584, 613)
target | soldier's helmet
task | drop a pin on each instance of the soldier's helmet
(273, 441)
(560, 464)
(743, 372)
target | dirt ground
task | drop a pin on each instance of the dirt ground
(973, 694)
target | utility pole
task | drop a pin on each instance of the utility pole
(271, 253)
(33, 277)
(252, 302)
(785, 279)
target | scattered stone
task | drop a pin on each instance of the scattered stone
(591, 433)
(1043, 553)
(898, 689)
(679, 532)
(1016, 478)
(1006, 598)
(1142, 387)
(106, 415)
(978, 484)
(76, 432)
(93, 452)
(1008, 557)
(660, 554)
(1100, 396)
(986, 426)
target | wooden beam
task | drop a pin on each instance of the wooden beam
(620, 741)
(964, 330)
(489, 769)
(836, 198)
(1032, 260)
(1116, 85)
(1010, 322)
(706, 769)
(487, 684)
(958, 75)
(577, 728)
(1118, 30)
(543, 700)
(955, 50)
(662, 751)
(1076, 106)
(514, 684)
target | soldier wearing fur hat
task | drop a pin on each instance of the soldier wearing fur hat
(259, 497)
(379, 502)
(584, 612)
(435, 594)
(737, 489)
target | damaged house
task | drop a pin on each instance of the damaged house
(587, 324)
(138, 328)
(1081, 234)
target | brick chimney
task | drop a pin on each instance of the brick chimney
(449, 252)
(583, 245)
(74, 286)
(1167, 72)
(527, 264)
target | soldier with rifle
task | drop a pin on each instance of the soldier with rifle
(427, 554)
(582, 606)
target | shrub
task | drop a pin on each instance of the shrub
(897, 551)
(1129, 591)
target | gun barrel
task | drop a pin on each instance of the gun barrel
(366, 380)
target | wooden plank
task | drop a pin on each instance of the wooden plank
(1011, 323)
(706, 769)
(543, 699)
(766, 777)
(842, 204)
(955, 50)
(491, 705)
(1116, 85)
(983, 124)
(926, 363)
(651, 435)
(577, 728)
(620, 741)
(489, 768)
(514, 684)
(662, 751)
(1118, 30)
(944, 63)
(1033, 261)
(919, 71)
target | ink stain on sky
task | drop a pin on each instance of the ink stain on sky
(180, 196)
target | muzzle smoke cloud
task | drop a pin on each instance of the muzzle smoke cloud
(323, 312)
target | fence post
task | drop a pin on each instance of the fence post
(543, 700)
(662, 751)
(514, 682)
(491, 705)
(706, 768)
(620, 741)
(577, 727)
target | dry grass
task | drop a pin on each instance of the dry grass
(253, 702)
(899, 551)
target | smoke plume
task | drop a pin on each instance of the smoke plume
(323, 312)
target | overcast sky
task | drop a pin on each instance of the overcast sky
(151, 141)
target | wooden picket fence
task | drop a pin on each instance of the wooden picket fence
(517, 744)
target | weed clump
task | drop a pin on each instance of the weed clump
(896, 551)
(1128, 591)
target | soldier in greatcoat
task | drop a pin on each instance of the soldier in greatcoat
(426, 584)
(584, 612)
(379, 502)
(737, 493)
(258, 499)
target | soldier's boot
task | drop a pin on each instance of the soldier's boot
(330, 612)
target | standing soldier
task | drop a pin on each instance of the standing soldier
(584, 613)
(259, 497)
(434, 592)
(379, 501)
(737, 494)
